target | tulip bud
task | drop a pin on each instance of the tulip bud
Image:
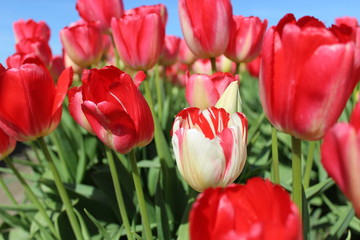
(203, 91)
(230, 100)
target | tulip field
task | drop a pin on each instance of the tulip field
(236, 130)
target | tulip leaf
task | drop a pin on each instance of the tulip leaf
(342, 223)
(163, 231)
(319, 188)
(99, 226)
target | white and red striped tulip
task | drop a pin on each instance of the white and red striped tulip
(209, 146)
(203, 91)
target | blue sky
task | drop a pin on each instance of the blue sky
(60, 13)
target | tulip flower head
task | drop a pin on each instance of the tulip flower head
(100, 10)
(115, 109)
(245, 39)
(206, 26)
(83, 43)
(7, 144)
(209, 146)
(257, 210)
(307, 74)
(30, 103)
(203, 91)
(139, 39)
(31, 29)
(340, 156)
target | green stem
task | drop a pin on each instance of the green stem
(148, 95)
(62, 191)
(296, 172)
(159, 94)
(237, 68)
(32, 197)
(309, 164)
(140, 196)
(117, 58)
(213, 65)
(7, 191)
(118, 192)
(275, 157)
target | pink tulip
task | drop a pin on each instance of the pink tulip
(31, 29)
(139, 39)
(307, 74)
(83, 43)
(223, 64)
(100, 10)
(75, 102)
(185, 55)
(147, 9)
(209, 146)
(203, 91)
(206, 26)
(340, 156)
(245, 39)
(170, 50)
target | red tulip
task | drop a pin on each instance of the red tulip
(206, 26)
(100, 10)
(139, 39)
(35, 46)
(209, 146)
(245, 39)
(31, 29)
(340, 155)
(30, 103)
(203, 91)
(170, 50)
(117, 112)
(15, 60)
(307, 75)
(83, 43)
(7, 144)
(254, 67)
(57, 66)
(147, 9)
(258, 210)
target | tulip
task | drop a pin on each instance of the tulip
(31, 29)
(75, 102)
(83, 43)
(185, 55)
(30, 103)
(203, 91)
(340, 156)
(307, 75)
(223, 64)
(147, 9)
(230, 100)
(7, 144)
(139, 39)
(176, 74)
(57, 66)
(258, 210)
(209, 146)
(206, 26)
(100, 10)
(39, 48)
(245, 39)
(15, 60)
(170, 50)
(115, 109)
(253, 67)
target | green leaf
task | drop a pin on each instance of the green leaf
(19, 208)
(342, 223)
(163, 231)
(99, 226)
(319, 188)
